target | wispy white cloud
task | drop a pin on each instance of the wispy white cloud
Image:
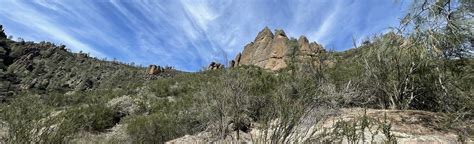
(327, 24)
(24, 14)
(200, 11)
(189, 34)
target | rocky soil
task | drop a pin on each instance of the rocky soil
(407, 127)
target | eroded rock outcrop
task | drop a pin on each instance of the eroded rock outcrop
(153, 70)
(271, 51)
(214, 66)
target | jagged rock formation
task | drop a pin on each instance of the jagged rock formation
(153, 70)
(156, 70)
(271, 51)
(214, 66)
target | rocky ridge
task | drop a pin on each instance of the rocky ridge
(45, 66)
(272, 51)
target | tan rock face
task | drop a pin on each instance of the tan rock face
(153, 70)
(303, 43)
(271, 51)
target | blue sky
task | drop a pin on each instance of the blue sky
(189, 34)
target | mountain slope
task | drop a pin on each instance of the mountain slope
(281, 90)
(47, 67)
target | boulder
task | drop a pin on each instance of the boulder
(215, 65)
(211, 65)
(153, 70)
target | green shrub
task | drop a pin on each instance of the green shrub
(21, 116)
(161, 126)
(95, 117)
(31, 121)
(357, 130)
(155, 128)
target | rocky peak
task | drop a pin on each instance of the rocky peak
(265, 33)
(280, 34)
(272, 51)
(303, 40)
(304, 46)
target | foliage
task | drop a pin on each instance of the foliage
(425, 64)
(30, 118)
(359, 129)
(164, 124)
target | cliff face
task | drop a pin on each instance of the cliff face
(271, 51)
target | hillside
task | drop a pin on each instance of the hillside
(44, 67)
(279, 90)
(413, 83)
